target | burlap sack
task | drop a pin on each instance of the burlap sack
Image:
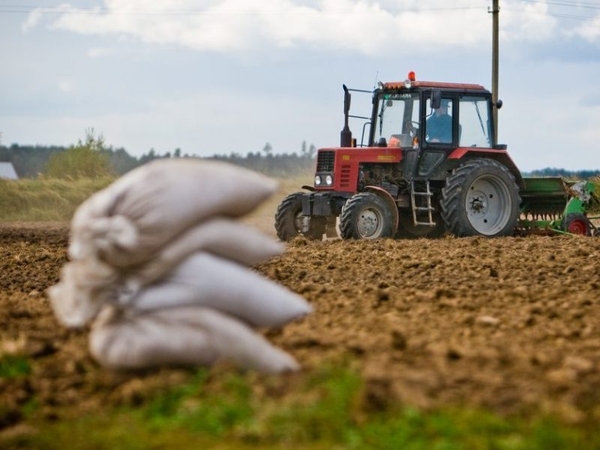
(159, 263)
(220, 236)
(87, 284)
(212, 282)
(132, 219)
(182, 336)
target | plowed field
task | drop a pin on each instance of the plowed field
(511, 324)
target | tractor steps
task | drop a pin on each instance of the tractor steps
(420, 201)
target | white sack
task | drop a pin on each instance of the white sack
(222, 237)
(128, 222)
(159, 263)
(84, 287)
(213, 282)
(87, 284)
(182, 336)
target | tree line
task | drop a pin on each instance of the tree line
(568, 174)
(91, 158)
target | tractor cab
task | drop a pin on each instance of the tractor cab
(428, 120)
(446, 116)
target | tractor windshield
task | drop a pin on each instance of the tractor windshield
(397, 118)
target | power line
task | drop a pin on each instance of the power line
(575, 4)
(26, 9)
(553, 14)
(565, 9)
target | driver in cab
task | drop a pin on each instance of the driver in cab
(439, 124)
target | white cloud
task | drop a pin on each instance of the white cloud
(526, 22)
(374, 28)
(589, 30)
(65, 85)
(101, 52)
(33, 19)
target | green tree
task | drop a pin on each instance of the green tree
(268, 149)
(87, 159)
(147, 157)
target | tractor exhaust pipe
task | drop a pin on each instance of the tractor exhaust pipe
(346, 134)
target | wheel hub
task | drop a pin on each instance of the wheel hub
(578, 227)
(478, 202)
(302, 223)
(368, 223)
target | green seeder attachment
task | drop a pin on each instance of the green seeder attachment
(554, 205)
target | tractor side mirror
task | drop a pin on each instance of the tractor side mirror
(499, 104)
(436, 99)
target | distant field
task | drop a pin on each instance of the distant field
(36, 200)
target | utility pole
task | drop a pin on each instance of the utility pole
(495, 12)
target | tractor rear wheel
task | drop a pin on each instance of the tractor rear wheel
(290, 223)
(366, 216)
(481, 198)
(577, 223)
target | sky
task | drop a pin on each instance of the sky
(227, 76)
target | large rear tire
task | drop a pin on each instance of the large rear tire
(481, 198)
(366, 216)
(290, 223)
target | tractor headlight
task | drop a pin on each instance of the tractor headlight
(318, 180)
(328, 180)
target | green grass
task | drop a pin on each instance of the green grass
(325, 411)
(32, 200)
(14, 366)
(47, 199)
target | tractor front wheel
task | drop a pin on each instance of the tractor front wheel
(290, 223)
(481, 198)
(577, 223)
(366, 216)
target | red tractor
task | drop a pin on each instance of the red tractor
(431, 164)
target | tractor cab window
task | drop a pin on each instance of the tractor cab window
(397, 119)
(475, 123)
(439, 122)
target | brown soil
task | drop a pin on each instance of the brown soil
(508, 324)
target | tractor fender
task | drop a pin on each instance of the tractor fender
(308, 188)
(500, 156)
(385, 195)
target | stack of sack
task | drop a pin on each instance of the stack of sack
(161, 267)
